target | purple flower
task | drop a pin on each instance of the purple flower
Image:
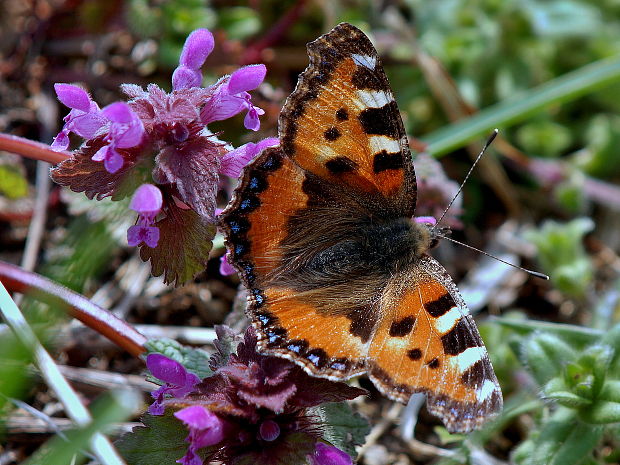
(205, 429)
(226, 269)
(425, 219)
(125, 131)
(263, 402)
(179, 382)
(232, 97)
(234, 161)
(84, 119)
(162, 138)
(147, 201)
(325, 454)
(198, 46)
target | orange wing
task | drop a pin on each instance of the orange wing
(257, 224)
(342, 122)
(427, 342)
(337, 275)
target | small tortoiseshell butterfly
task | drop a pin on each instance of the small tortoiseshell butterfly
(338, 274)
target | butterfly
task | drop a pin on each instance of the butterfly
(339, 277)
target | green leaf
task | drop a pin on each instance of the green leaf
(239, 22)
(112, 407)
(343, 428)
(185, 240)
(525, 104)
(577, 335)
(160, 441)
(12, 183)
(194, 360)
(545, 355)
(556, 390)
(564, 440)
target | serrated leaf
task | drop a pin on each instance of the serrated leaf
(225, 345)
(159, 441)
(343, 427)
(185, 240)
(12, 183)
(193, 359)
(81, 174)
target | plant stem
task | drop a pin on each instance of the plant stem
(31, 149)
(93, 316)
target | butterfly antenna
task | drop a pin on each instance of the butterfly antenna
(533, 273)
(486, 145)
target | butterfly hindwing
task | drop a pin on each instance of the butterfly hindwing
(427, 342)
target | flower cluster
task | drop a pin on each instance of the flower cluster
(253, 409)
(157, 148)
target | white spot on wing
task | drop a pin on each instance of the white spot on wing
(446, 322)
(467, 358)
(364, 60)
(373, 98)
(378, 143)
(488, 388)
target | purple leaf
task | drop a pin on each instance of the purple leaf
(193, 167)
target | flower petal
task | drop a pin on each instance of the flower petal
(151, 236)
(198, 45)
(88, 124)
(113, 161)
(226, 269)
(146, 199)
(246, 78)
(234, 161)
(119, 112)
(73, 96)
(166, 369)
(184, 78)
(330, 455)
(61, 141)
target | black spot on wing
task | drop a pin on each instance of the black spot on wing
(434, 363)
(342, 114)
(381, 121)
(402, 327)
(332, 134)
(440, 306)
(362, 322)
(387, 161)
(341, 165)
(460, 337)
(414, 354)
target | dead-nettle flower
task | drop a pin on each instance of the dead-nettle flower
(253, 409)
(161, 139)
